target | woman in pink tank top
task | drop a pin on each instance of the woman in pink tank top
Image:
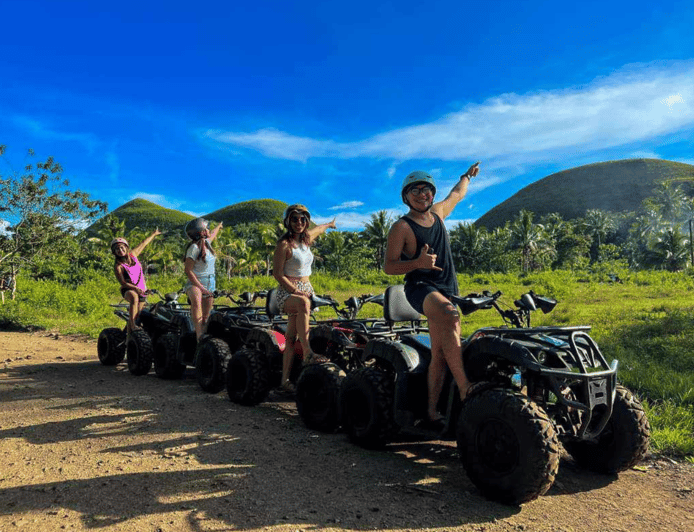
(129, 274)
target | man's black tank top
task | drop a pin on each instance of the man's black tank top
(437, 238)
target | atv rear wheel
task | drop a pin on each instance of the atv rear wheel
(166, 365)
(247, 377)
(508, 445)
(623, 442)
(111, 346)
(266, 341)
(211, 361)
(317, 396)
(366, 405)
(139, 352)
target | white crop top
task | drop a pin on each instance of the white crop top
(299, 264)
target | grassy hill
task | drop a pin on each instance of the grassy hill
(611, 186)
(263, 210)
(147, 215)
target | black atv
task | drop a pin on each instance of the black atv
(533, 387)
(179, 348)
(342, 341)
(256, 366)
(155, 320)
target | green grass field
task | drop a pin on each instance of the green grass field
(646, 322)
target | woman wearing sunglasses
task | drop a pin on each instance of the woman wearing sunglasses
(292, 268)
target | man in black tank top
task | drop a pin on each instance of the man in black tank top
(418, 247)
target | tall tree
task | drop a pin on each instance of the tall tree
(530, 239)
(670, 250)
(598, 225)
(40, 212)
(376, 235)
(469, 247)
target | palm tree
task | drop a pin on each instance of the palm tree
(670, 250)
(530, 239)
(672, 202)
(376, 235)
(469, 246)
(598, 225)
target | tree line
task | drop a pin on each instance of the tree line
(44, 220)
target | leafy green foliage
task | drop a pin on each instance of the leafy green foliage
(42, 213)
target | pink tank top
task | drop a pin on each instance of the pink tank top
(135, 274)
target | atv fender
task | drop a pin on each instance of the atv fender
(481, 352)
(402, 358)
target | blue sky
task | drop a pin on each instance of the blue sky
(199, 105)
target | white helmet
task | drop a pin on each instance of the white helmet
(195, 227)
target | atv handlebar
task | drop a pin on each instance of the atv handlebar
(517, 318)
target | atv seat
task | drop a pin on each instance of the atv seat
(396, 308)
(272, 306)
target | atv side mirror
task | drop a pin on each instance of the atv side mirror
(545, 304)
(526, 302)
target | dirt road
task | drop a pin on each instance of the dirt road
(84, 446)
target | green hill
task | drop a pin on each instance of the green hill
(145, 215)
(263, 210)
(614, 186)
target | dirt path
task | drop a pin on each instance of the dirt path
(84, 446)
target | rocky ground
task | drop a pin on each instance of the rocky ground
(84, 446)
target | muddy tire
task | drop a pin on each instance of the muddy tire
(247, 377)
(623, 442)
(166, 365)
(211, 361)
(317, 396)
(139, 352)
(366, 407)
(111, 346)
(508, 446)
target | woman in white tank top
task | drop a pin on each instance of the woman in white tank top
(292, 269)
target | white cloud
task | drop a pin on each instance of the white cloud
(43, 131)
(4, 224)
(636, 103)
(353, 221)
(276, 144)
(347, 205)
(160, 200)
(450, 223)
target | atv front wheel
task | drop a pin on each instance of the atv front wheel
(247, 377)
(366, 404)
(508, 445)
(317, 395)
(139, 352)
(111, 346)
(623, 442)
(166, 364)
(211, 361)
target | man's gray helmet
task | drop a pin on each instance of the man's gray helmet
(418, 176)
(195, 227)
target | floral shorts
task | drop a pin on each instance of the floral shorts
(302, 286)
